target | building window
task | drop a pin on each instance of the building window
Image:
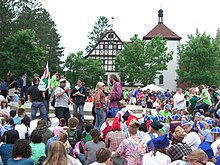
(110, 35)
(161, 80)
(105, 46)
(115, 47)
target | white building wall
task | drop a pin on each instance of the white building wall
(170, 75)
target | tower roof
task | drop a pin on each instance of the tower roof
(161, 30)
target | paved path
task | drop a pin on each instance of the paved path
(137, 110)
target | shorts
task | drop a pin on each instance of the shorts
(11, 92)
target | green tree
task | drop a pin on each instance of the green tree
(29, 14)
(99, 29)
(89, 70)
(199, 61)
(47, 36)
(20, 53)
(6, 17)
(141, 61)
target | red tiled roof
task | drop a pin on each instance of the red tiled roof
(163, 31)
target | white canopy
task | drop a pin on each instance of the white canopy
(152, 87)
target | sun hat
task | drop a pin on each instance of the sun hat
(167, 106)
(149, 117)
(161, 142)
(156, 125)
(215, 130)
(209, 121)
(62, 80)
(175, 117)
(163, 119)
(179, 133)
(198, 114)
(133, 122)
(116, 124)
(183, 123)
(157, 117)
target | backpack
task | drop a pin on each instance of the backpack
(73, 137)
(79, 147)
(107, 129)
(26, 134)
(41, 160)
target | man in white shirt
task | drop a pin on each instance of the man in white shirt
(179, 100)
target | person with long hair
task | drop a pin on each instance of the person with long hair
(115, 95)
(9, 138)
(196, 157)
(4, 109)
(21, 153)
(92, 146)
(57, 155)
(100, 104)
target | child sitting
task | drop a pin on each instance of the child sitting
(21, 103)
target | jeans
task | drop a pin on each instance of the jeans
(202, 106)
(42, 108)
(62, 112)
(47, 105)
(81, 109)
(24, 93)
(100, 118)
(213, 110)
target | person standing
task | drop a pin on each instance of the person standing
(36, 97)
(179, 100)
(11, 85)
(3, 88)
(100, 104)
(79, 95)
(22, 86)
(115, 96)
(61, 101)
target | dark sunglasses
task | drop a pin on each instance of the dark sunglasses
(201, 162)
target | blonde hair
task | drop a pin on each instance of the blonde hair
(198, 155)
(56, 154)
(99, 85)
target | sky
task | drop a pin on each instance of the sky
(76, 18)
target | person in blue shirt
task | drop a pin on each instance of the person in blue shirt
(21, 153)
(8, 126)
(3, 88)
(6, 148)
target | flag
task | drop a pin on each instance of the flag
(45, 80)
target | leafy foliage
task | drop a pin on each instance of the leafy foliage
(199, 60)
(99, 29)
(20, 53)
(16, 15)
(140, 61)
(89, 70)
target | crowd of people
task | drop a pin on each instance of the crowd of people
(176, 128)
